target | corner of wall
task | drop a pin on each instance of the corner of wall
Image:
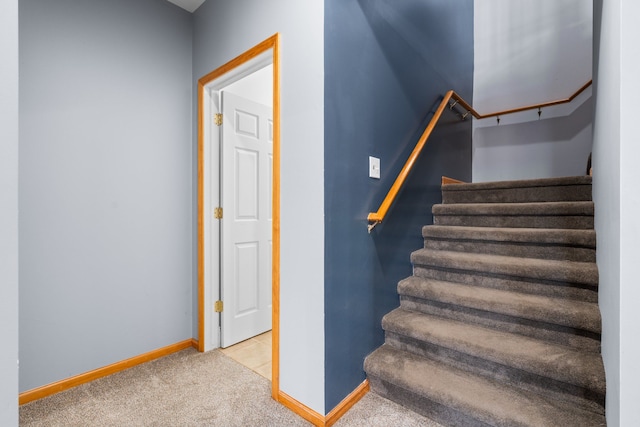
(9, 80)
(606, 192)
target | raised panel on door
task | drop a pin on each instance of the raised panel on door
(246, 185)
(247, 278)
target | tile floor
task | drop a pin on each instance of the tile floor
(254, 353)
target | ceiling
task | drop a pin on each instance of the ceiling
(189, 5)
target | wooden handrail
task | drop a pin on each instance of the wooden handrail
(377, 217)
(477, 115)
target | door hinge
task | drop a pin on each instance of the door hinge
(217, 119)
(218, 306)
(217, 213)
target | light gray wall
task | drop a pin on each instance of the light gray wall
(529, 52)
(616, 174)
(629, 213)
(105, 183)
(9, 213)
(606, 190)
(224, 29)
(537, 149)
(617, 201)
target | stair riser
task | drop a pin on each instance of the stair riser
(440, 413)
(572, 222)
(496, 281)
(580, 396)
(573, 193)
(525, 250)
(570, 337)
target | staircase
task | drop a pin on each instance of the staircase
(499, 324)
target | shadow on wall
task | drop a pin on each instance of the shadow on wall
(539, 149)
(401, 33)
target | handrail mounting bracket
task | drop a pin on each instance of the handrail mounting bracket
(372, 226)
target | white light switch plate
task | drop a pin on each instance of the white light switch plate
(374, 167)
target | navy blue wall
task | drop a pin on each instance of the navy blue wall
(387, 65)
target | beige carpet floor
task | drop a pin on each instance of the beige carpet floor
(192, 389)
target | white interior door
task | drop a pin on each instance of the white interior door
(247, 152)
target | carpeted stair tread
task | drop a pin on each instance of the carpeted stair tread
(557, 215)
(585, 273)
(521, 183)
(547, 360)
(473, 400)
(558, 311)
(537, 190)
(573, 245)
(569, 237)
(515, 209)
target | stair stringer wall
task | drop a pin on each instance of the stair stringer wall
(386, 68)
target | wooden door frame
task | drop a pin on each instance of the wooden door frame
(227, 71)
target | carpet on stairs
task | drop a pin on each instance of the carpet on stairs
(499, 324)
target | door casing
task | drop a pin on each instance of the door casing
(209, 85)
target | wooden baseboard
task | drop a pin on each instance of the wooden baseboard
(58, 386)
(317, 419)
(304, 411)
(347, 403)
